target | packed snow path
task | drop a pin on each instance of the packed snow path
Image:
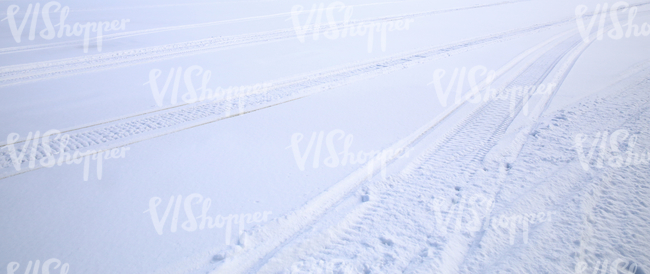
(503, 185)
(415, 222)
(142, 126)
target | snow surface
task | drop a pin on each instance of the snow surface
(460, 186)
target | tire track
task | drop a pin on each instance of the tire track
(274, 237)
(406, 201)
(155, 124)
(114, 36)
(24, 73)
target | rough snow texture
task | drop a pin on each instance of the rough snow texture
(494, 186)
